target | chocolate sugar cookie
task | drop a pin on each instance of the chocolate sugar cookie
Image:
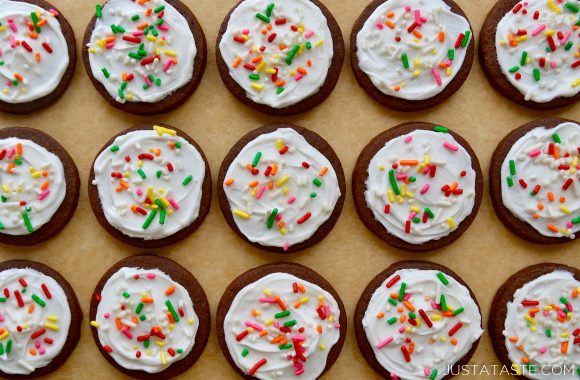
(150, 186)
(144, 57)
(37, 55)
(40, 320)
(281, 188)
(533, 324)
(39, 186)
(417, 320)
(417, 186)
(281, 321)
(412, 55)
(280, 57)
(150, 317)
(529, 51)
(534, 182)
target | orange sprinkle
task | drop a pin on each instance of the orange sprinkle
(2, 331)
(142, 26)
(564, 347)
(280, 83)
(411, 347)
(277, 339)
(323, 171)
(253, 184)
(118, 322)
(33, 35)
(45, 173)
(281, 46)
(44, 186)
(442, 66)
(441, 36)
(170, 317)
(553, 228)
(397, 88)
(575, 293)
(448, 314)
(229, 181)
(169, 291)
(556, 153)
(380, 315)
(19, 148)
(391, 14)
(512, 40)
(237, 62)
(562, 320)
(525, 360)
(158, 152)
(536, 215)
(42, 22)
(10, 167)
(390, 24)
(551, 196)
(134, 319)
(309, 63)
(403, 318)
(400, 309)
(280, 303)
(417, 34)
(409, 306)
(249, 167)
(301, 288)
(274, 170)
(297, 304)
(454, 341)
(319, 329)
(18, 78)
(562, 199)
(409, 162)
(264, 31)
(149, 10)
(32, 352)
(254, 312)
(453, 186)
(263, 332)
(124, 184)
(269, 27)
(270, 185)
(110, 39)
(257, 59)
(520, 348)
(147, 300)
(281, 225)
(31, 308)
(302, 70)
(540, 206)
(513, 339)
(394, 296)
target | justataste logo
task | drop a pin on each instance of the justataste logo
(496, 369)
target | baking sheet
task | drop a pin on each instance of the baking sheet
(349, 257)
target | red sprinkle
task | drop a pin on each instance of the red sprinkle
(552, 43)
(26, 46)
(22, 282)
(18, 298)
(304, 218)
(393, 281)
(170, 167)
(272, 37)
(459, 40)
(257, 366)
(387, 208)
(38, 333)
(145, 156)
(48, 340)
(107, 348)
(408, 227)
(321, 313)
(239, 39)
(455, 328)
(249, 67)
(517, 8)
(268, 171)
(432, 171)
(305, 165)
(523, 183)
(406, 354)
(284, 149)
(147, 61)
(567, 184)
(242, 335)
(425, 318)
(280, 21)
(47, 47)
(134, 40)
(530, 303)
(171, 352)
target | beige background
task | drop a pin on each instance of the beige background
(349, 257)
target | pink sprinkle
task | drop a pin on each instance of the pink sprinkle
(433, 305)
(412, 215)
(110, 45)
(54, 12)
(565, 38)
(553, 64)
(286, 246)
(267, 300)
(41, 351)
(545, 313)
(11, 152)
(327, 309)
(246, 31)
(299, 372)
(138, 33)
(163, 27)
(569, 225)
(12, 25)
(276, 324)
(12, 41)
(291, 200)
(260, 192)
(106, 315)
(173, 204)
(407, 296)
(308, 34)
(1, 53)
(402, 329)
(379, 26)
(298, 338)
(394, 377)
(1, 318)
(337, 325)
(448, 63)
(538, 29)
(127, 333)
(561, 314)
(408, 139)
(254, 325)
(543, 350)
(427, 372)
(151, 275)
(437, 76)
(278, 217)
(450, 146)
(139, 192)
(418, 17)
(384, 342)
(43, 195)
(167, 65)
(37, 344)
(297, 77)
(427, 169)
(407, 8)
(534, 153)
(569, 307)
(401, 176)
(147, 80)
(424, 189)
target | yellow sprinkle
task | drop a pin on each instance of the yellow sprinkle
(270, 71)
(279, 144)
(242, 214)
(381, 167)
(522, 38)
(285, 191)
(151, 38)
(420, 168)
(261, 66)
(549, 32)
(51, 326)
(162, 130)
(160, 343)
(129, 97)
(319, 43)
(400, 199)
(163, 359)
(529, 319)
(283, 231)
(564, 209)
(502, 43)
(448, 72)
(282, 181)
(548, 308)
(2, 29)
(565, 334)
(304, 299)
(269, 322)
(436, 317)
(417, 62)
(5, 335)
(553, 7)
(322, 346)
(92, 50)
(443, 338)
(257, 86)
(415, 209)
(417, 73)
(451, 222)
(150, 194)
(267, 292)
(410, 194)
(331, 318)
(403, 190)
(148, 352)
(95, 324)
(576, 83)
(166, 204)
(170, 53)
(391, 196)
(52, 318)
(190, 321)
(427, 159)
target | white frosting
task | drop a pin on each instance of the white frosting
(429, 149)
(381, 56)
(433, 346)
(31, 183)
(557, 77)
(26, 76)
(31, 348)
(550, 215)
(302, 308)
(530, 333)
(293, 187)
(173, 50)
(128, 202)
(312, 30)
(176, 337)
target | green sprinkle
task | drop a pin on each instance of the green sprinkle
(443, 303)
(392, 321)
(443, 279)
(124, 86)
(142, 318)
(313, 195)
(512, 167)
(141, 173)
(577, 369)
(134, 55)
(263, 18)
(514, 69)
(126, 295)
(2, 226)
(147, 342)
(160, 8)
(564, 300)
(524, 58)
(537, 74)
(285, 346)
(292, 53)
(451, 54)
(576, 220)
(1, 349)
(256, 159)
(158, 173)
(160, 204)
(572, 7)
(34, 18)
(145, 86)
(154, 32)
(317, 182)
(4, 199)
(254, 76)
(393, 182)
(151, 77)
(439, 128)
(510, 181)
(38, 300)
(172, 310)
(179, 350)
(412, 179)
(9, 346)
(416, 220)
(402, 291)
(2, 62)
(139, 308)
(162, 216)
(27, 222)
(279, 90)
(458, 311)
(99, 11)
(392, 302)
(135, 17)
(568, 45)
(245, 352)
(160, 21)
(412, 315)
(149, 219)
(433, 374)
(187, 180)
(269, 9)
(272, 218)
(2, 299)
(121, 94)
(429, 212)
(178, 145)
(465, 38)
(309, 45)
(282, 314)
(23, 290)
(556, 138)
(290, 323)
(548, 333)
(405, 60)
(106, 72)
(17, 161)
(114, 28)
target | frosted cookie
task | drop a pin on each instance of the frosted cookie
(281, 188)
(417, 320)
(534, 181)
(281, 321)
(150, 317)
(533, 323)
(40, 320)
(412, 54)
(144, 57)
(417, 186)
(39, 186)
(37, 55)
(530, 51)
(280, 57)
(150, 186)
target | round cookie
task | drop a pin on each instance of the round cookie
(544, 297)
(291, 302)
(37, 55)
(161, 191)
(417, 329)
(417, 186)
(40, 319)
(39, 186)
(533, 181)
(293, 194)
(180, 321)
(283, 60)
(529, 52)
(411, 55)
(161, 59)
